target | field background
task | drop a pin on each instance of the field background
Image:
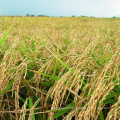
(59, 68)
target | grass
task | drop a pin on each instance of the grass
(59, 68)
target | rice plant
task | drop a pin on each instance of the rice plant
(59, 68)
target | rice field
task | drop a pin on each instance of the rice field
(61, 68)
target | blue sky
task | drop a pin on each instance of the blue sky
(97, 8)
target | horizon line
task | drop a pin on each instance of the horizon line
(32, 15)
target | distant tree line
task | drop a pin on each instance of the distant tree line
(28, 15)
(36, 16)
(115, 17)
(83, 16)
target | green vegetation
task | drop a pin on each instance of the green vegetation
(59, 68)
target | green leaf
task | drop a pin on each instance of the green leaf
(64, 64)
(46, 75)
(63, 110)
(97, 62)
(108, 58)
(27, 37)
(8, 86)
(101, 115)
(113, 95)
(22, 51)
(60, 113)
(33, 46)
(26, 43)
(65, 40)
(46, 83)
(108, 101)
(22, 99)
(31, 105)
(4, 37)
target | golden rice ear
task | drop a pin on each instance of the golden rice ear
(101, 86)
(114, 112)
(22, 116)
